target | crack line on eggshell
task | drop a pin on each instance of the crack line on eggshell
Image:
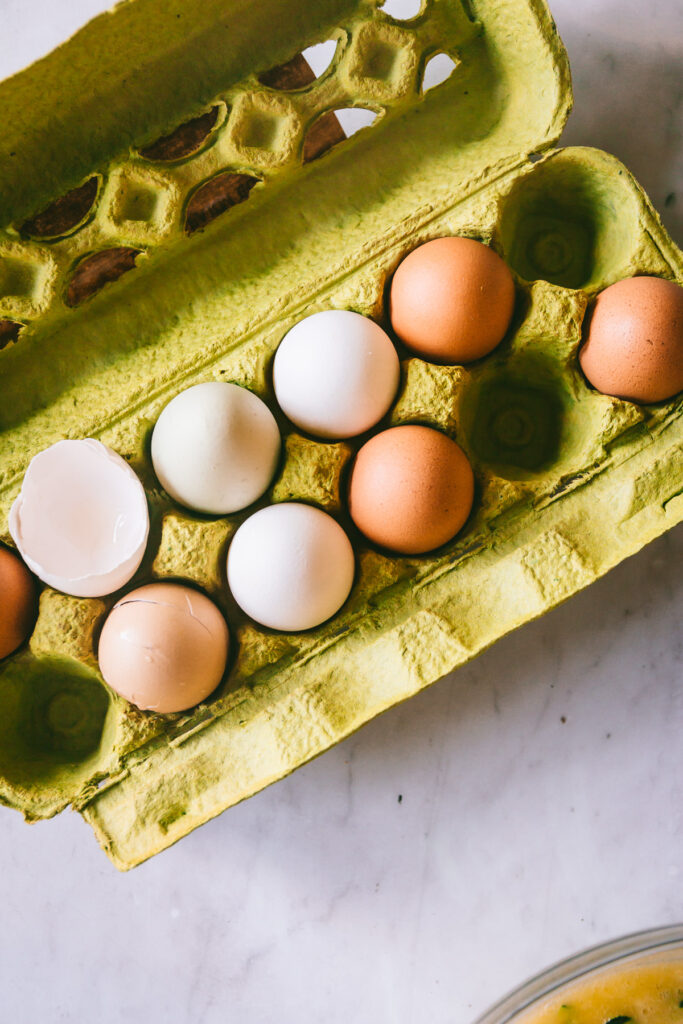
(161, 604)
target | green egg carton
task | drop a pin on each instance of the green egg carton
(176, 194)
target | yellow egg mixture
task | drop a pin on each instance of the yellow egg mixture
(645, 994)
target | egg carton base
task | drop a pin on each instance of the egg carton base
(572, 543)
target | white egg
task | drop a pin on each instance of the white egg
(81, 520)
(215, 447)
(336, 373)
(290, 566)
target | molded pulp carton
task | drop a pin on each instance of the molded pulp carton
(176, 194)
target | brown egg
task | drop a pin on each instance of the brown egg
(411, 489)
(452, 300)
(17, 602)
(164, 647)
(634, 342)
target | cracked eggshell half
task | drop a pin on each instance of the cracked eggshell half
(164, 647)
(215, 447)
(81, 520)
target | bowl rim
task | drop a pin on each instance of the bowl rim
(578, 965)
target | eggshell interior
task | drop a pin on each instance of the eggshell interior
(80, 520)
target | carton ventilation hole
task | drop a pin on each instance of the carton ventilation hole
(320, 56)
(352, 119)
(99, 269)
(333, 127)
(401, 10)
(324, 133)
(438, 69)
(63, 214)
(302, 69)
(184, 140)
(215, 197)
(9, 332)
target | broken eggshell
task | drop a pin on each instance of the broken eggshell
(80, 520)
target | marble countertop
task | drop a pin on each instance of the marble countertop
(526, 807)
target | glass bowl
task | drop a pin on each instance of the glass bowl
(658, 945)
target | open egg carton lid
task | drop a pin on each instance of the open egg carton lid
(176, 193)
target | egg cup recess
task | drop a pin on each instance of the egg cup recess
(57, 728)
(571, 220)
(514, 416)
(569, 481)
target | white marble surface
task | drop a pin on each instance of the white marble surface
(527, 807)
